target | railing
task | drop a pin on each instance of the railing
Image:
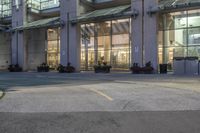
(43, 4)
(5, 8)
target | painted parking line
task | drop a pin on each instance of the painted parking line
(101, 94)
(2, 93)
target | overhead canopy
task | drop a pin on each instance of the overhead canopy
(175, 4)
(103, 13)
(49, 22)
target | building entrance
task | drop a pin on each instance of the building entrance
(107, 41)
(53, 48)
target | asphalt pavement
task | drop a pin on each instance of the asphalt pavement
(96, 103)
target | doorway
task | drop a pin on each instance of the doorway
(53, 48)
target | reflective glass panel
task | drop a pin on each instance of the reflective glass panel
(107, 41)
(193, 18)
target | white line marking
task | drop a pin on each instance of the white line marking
(1, 94)
(101, 94)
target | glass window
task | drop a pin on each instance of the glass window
(194, 51)
(5, 8)
(193, 18)
(104, 41)
(43, 4)
(194, 36)
(181, 35)
(172, 52)
(175, 20)
(120, 57)
(107, 41)
(176, 37)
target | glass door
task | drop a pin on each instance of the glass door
(120, 57)
(104, 41)
(53, 48)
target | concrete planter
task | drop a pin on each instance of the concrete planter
(43, 68)
(15, 68)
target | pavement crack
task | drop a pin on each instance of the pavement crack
(126, 105)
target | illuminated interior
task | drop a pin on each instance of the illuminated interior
(5, 8)
(53, 48)
(107, 41)
(179, 36)
(43, 4)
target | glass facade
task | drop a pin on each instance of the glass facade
(107, 41)
(5, 8)
(53, 48)
(43, 4)
(179, 35)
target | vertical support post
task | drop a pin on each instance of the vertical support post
(70, 40)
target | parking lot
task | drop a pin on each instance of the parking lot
(119, 102)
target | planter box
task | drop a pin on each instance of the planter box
(43, 69)
(102, 69)
(136, 69)
(66, 69)
(15, 68)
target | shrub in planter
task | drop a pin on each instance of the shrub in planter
(43, 68)
(102, 68)
(15, 68)
(66, 69)
(69, 68)
(148, 69)
(61, 68)
(136, 69)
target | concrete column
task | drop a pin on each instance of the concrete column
(144, 33)
(18, 37)
(136, 35)
(70, 40)
(150, 34)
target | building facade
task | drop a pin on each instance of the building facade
(85, 32)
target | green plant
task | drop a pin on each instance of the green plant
(102, 68)
(14, 68)
(43, 68)
(136, 69)
(66, 69)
